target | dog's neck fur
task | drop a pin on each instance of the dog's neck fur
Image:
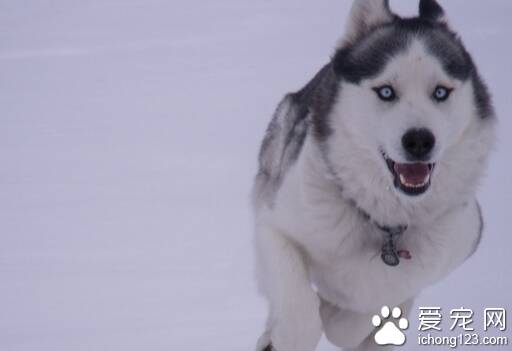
(319, 179)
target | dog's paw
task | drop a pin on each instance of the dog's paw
(264, 343)
(298, 332)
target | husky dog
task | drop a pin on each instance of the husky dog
(365, 193)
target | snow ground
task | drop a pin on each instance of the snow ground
(128, 144)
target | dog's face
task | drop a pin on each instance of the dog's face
(409, 91)
(408, 114)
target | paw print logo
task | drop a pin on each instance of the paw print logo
(390, 332)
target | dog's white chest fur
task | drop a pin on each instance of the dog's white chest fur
(355, 277)
(342, 248)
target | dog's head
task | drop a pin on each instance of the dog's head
(411, 112)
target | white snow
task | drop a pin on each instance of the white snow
(128, 142)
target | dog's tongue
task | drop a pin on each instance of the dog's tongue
(414, 174)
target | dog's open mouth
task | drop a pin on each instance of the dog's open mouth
(411, 178)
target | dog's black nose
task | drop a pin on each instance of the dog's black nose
(418, 143)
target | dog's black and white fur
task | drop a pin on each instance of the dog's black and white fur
(380, 152)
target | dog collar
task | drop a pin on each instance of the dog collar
(389, 253)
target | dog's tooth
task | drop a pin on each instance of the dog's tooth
(425, 182)
(403, 180)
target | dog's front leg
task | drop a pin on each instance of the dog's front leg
(294, 322)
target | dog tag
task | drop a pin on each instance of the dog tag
(389, 253)
(390, 258)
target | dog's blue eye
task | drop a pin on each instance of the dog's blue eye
(385, 93)
(442, 93)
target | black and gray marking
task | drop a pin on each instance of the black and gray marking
(308, 110)
(369, 56)
(287, 131)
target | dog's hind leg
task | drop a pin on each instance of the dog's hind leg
(294, 322)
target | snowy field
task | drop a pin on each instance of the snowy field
(128, 141)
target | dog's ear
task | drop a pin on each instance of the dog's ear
(432, 11)
(364, 16)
